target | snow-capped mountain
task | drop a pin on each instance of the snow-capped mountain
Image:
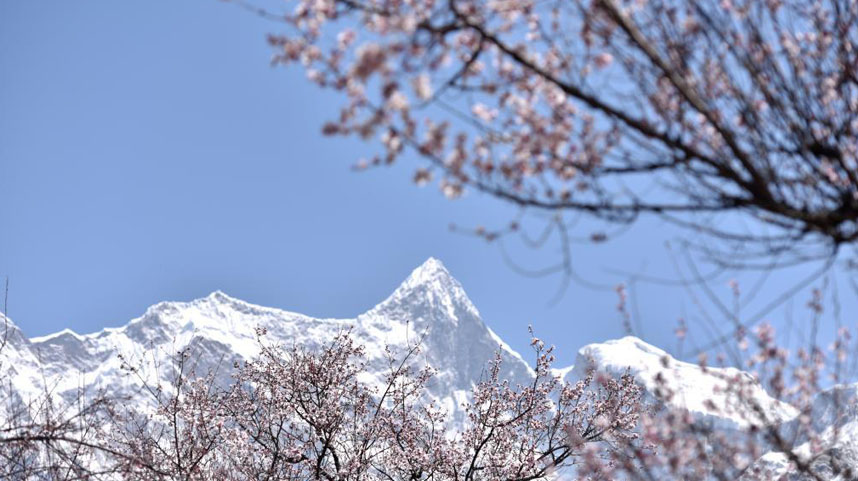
(708, 394)
(430, 305)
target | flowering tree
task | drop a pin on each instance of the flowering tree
(533, 431)
(43, 437)
(684, 446)
(614, 108)
(297, 414)
(301, 414)
(314, 414)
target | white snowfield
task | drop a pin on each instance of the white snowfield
(429, 305)
(709, 394)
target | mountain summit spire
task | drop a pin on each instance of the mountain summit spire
(432, 270)
(429, 289)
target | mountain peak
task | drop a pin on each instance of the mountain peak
(430, 284)
(430, 270)
(703, 392)
(220, 297)
(10, 332)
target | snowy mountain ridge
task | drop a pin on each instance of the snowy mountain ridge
(430, 305)
(692, 388)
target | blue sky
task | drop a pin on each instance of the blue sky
(148, 152)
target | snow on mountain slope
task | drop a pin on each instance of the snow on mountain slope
(18, 364)
(708, 394)
(833, 420)
(430, 304)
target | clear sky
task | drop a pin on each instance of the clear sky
(149, 152)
